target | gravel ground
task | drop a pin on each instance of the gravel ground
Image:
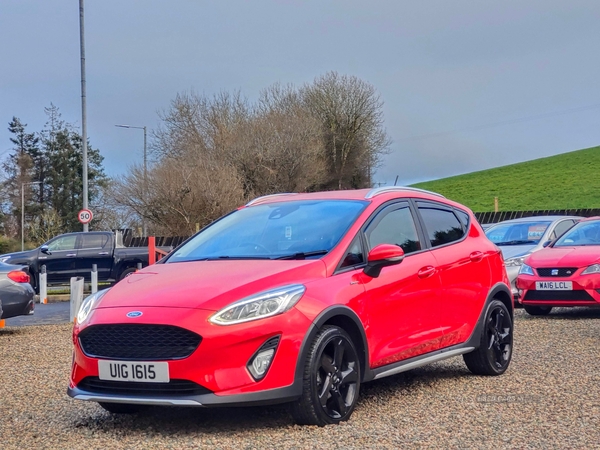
(549, 398)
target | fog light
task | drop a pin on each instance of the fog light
(261, 360)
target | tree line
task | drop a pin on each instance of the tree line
(209, 155)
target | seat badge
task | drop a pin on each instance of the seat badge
(554, 272)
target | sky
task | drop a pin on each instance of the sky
(466, 85)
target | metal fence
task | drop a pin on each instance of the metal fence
(495, 217)
(129, 240)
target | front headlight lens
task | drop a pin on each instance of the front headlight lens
(265, 304)
(594, 268)
(516, 261)
(526, 270)
(88, 304)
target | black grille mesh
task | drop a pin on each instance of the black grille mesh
(132, 388)
(138, 342)
(578, 295)
(562, 272)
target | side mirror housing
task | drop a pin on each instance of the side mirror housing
(383, 255)
(546, 244)
(44, 249)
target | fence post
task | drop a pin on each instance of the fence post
(495, 204)
(151, 250)
(139, 266)
(76, 296)
(43, 285)
(94, 278)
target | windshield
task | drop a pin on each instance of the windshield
(519, 233)
(290, 230)
(584, 233)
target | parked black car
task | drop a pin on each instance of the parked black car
(16, 294)
(72, 254)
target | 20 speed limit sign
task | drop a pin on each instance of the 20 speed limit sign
(85, 216)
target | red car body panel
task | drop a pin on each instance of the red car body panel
(431, 301)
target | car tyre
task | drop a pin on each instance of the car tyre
(494, 353)
(538, 310)
(127, 272)
(122, 408)
(331, 380)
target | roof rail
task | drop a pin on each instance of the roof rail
(259, 199)
(384, 190)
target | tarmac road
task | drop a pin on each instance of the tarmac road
(48, 314)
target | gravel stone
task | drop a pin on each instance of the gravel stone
(548, 398)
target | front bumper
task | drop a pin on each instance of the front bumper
(218, 365)
(585, 292)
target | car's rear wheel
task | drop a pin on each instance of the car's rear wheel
(494, 353)
(331, 380)
(538, 310)
(122, 408)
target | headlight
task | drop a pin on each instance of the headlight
(88, 304)
(526, 270)
(516, 261)
(594, 268)
(259, 306)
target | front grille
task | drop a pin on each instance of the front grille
(132, 388)
(138, 342)
(566, 296)
(562, 272)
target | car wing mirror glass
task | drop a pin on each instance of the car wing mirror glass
(383, 255)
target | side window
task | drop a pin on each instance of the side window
(397, 226)
(63, 243)
(561, 228)
(464, 217)
(441, 224)
(355, 254)
(94, 240)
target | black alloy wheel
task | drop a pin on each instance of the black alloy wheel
(331, 380)
(495, 350)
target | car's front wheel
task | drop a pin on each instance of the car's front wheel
(538, 310)
(494, 353)
(331, 380)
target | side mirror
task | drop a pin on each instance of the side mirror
(381, 256)
(546, 244)
(44, 249)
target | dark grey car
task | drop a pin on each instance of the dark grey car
(16, 294)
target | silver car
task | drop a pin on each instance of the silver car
(519, 238)
(16, 294)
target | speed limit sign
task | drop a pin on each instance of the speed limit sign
(85, 216)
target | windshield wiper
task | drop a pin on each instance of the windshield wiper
(225, 257)
(522, 242)
(304, 255)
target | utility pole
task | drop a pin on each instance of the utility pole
(83, 112)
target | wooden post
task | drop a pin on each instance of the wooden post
(495, 204)
(197, 227)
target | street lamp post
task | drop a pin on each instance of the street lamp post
(145, 166)
(23, 211)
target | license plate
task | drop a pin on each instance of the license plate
(147, 372)
(554, 285)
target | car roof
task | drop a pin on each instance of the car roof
(353, 194)
(538, 219)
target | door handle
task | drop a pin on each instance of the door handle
(476, 256)
(71, 255)
(426, 271)
(103, 253)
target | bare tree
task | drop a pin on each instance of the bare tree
(351, 115)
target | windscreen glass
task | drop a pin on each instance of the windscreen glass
(584, 233)
(520, 233)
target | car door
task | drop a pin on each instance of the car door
(463, 266)
(60, 258)
(95, 248)
(403, 302)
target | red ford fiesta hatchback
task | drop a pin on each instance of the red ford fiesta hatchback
(299, 298)
(565, 273)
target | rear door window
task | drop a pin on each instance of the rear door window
(441, 224)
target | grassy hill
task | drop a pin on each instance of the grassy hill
(566, 181)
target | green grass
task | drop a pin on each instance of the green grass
(566, 181)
